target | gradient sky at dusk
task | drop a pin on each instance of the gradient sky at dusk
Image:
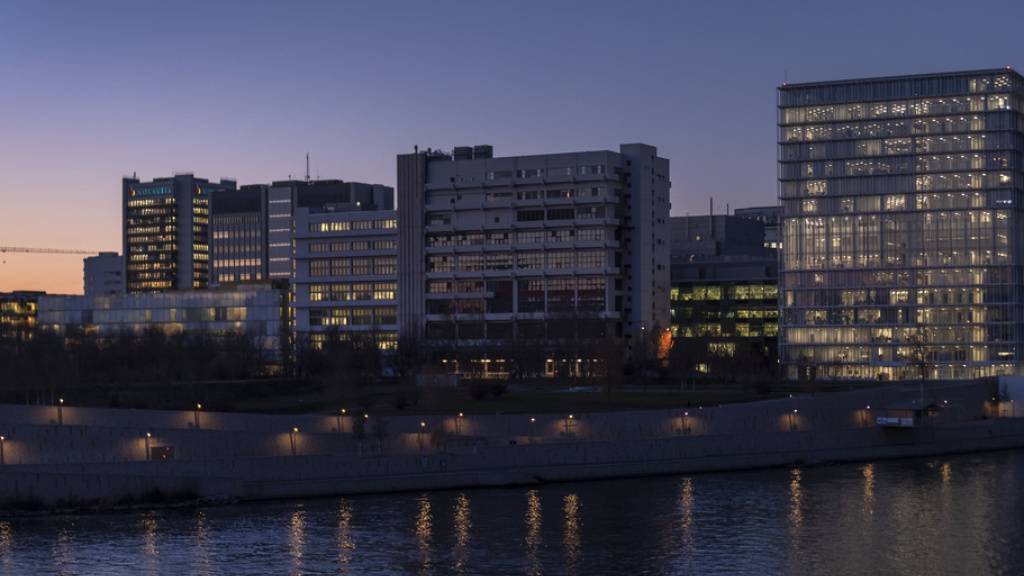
(91, 91)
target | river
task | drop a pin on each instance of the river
(950, 515)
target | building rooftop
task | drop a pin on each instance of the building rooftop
(792, 85)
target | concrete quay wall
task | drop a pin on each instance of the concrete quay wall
(99, 456)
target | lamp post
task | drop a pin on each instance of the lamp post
(195, 415)
(568, 424)
(148, 436)
(866, 420)
(458, 423)
(684, 423)
(2, 439)
(60, 411)
(338, 417)
(291, 437)
(419, 434)
(792, 419)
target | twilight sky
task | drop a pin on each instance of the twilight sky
(90, 91)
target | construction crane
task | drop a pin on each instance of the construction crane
(23, 250)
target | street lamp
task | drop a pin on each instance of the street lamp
(2, 439)
(792, 419)
(148, 436)
(458, 423)
(291, 436)
(419, 434)
(60, 411)
(532, 422)
(338, 418)
(195, 415)
(684, 423)
(568, 424)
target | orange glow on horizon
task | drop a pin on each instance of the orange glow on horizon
(51, 273)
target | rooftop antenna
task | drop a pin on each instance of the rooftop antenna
(307, 166)
(711, 214)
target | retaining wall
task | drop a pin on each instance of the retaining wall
(80, 455)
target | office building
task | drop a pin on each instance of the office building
(103, 274)
(771, 217)
(285, 197)
(238, 235)
(166, 232)
(346, 274)
(553, 248)
(256, 310)
(724, 297)
(18, 311)
(902, 205)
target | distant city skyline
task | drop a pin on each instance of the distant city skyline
(97, 91)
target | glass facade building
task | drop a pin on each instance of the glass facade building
(255, 310)
(166, 232)
(902, 242)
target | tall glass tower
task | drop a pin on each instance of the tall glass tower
(902, 227)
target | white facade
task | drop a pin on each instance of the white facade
(547, 247)
(346, 275)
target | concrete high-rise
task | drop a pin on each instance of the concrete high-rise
(903, 200)
(165, 232)
(546, 248)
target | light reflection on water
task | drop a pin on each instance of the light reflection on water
(957, 515)
(463, 528)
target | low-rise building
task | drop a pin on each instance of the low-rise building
(256, 310)
(18, 314)
(103, 274)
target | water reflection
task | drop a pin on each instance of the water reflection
(62, 548)
(686, 505)
(869, 489)
(796, 512)
(533, 523)
(202, 537)
(297, 539)
(5, 543)
(148, 524)
(463, 524)
(346, 546)
(571, 540)
(931, 517)
(424, 532)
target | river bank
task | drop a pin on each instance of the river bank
(59, 457)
